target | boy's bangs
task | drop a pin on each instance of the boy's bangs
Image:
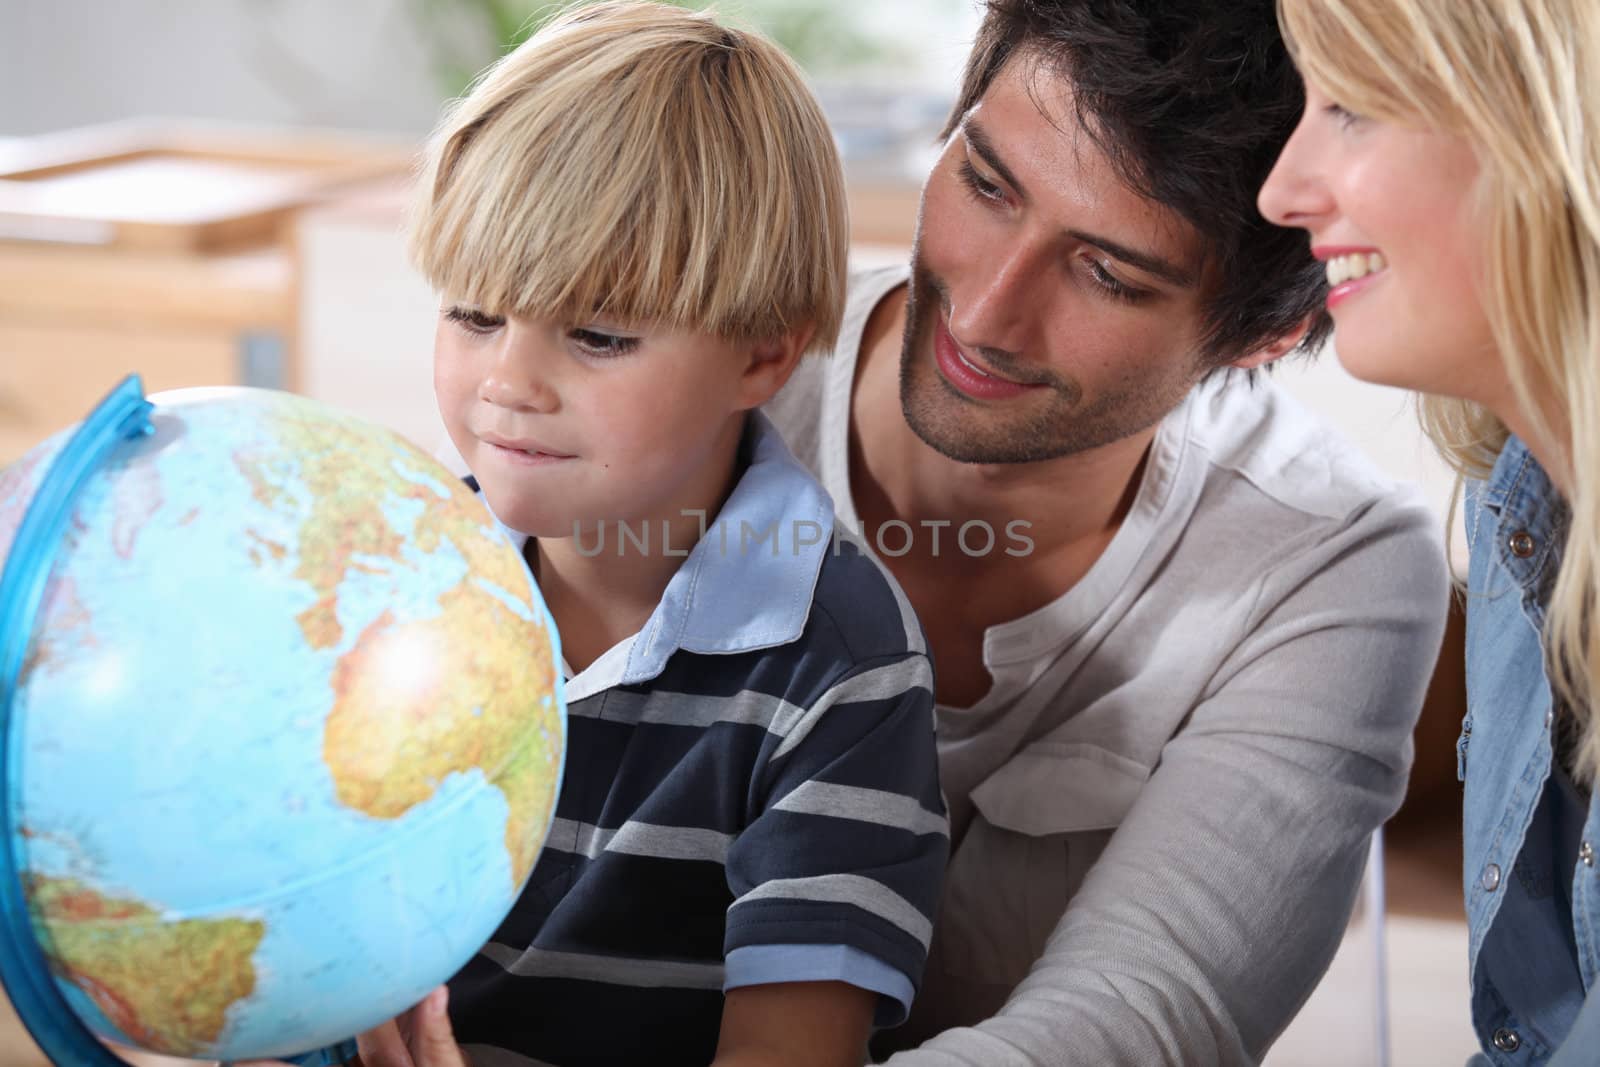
(679, 178)
(637, 239)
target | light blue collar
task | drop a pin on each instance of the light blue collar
(748, 582)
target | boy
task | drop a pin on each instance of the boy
(637, 222)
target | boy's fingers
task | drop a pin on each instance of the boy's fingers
(433, 1042)
(382, 1046)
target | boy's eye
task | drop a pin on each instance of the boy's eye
(599, 343)
(474, 320)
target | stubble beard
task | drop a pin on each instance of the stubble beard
(1054, 423)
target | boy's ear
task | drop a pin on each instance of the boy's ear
(771, 361)
(1274, 349)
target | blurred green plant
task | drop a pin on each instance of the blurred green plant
(824, 36)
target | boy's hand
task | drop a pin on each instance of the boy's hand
(795, 1024)
(420, 1037)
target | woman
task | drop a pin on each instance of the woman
(1447, 168)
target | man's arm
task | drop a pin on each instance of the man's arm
(1220, 900)
(795, 1024)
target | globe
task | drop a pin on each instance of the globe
(286, 734)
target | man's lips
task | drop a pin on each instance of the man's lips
(964, 373)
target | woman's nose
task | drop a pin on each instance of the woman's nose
(1295, 193)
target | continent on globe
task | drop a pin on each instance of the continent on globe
(166, 984)
(416, 702)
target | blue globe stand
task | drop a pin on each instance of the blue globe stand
(124, 415)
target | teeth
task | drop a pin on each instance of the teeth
(975, 368)
(1348, 268)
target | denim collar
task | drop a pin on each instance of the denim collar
(1532, 518)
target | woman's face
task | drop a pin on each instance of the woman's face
(1390, 213)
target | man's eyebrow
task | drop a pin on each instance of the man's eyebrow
(1150, 264)
(980, 144)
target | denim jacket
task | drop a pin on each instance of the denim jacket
(1531, 880)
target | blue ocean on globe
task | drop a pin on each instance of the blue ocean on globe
(288, 735)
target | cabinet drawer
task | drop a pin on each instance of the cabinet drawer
(51, 376)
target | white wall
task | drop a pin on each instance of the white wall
(357, 64)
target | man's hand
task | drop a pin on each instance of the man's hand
(420, 1037)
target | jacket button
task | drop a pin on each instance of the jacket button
(1491, 878)
(1522, 544)
(1586, 854)
(1506, 1040)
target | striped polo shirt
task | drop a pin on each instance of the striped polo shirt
(751, 796)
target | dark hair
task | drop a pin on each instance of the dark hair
(1191, 100)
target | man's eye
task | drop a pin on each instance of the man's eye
(597, 343)
(474, 320)
(975, 183)
(1115, 287)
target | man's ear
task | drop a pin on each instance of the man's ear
(1274, 349)
(769, 364)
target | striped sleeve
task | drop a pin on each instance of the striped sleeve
(850, 837)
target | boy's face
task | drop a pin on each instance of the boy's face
(1052, 309)
(565, 427)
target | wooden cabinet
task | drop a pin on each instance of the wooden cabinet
(158, 248)
(75, 321)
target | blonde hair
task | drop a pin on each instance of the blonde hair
(643, 163)
(1518, 79)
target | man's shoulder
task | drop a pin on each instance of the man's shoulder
(814, 403)
(1263, 447)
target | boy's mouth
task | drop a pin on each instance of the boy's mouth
(528, 449)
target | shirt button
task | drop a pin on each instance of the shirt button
(1522, 544)
(1586, 854)
(1549, 719)
(1491, 878)
(1506, 1040)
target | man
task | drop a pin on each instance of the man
(1181, 630)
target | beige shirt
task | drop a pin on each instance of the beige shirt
(1161, 809)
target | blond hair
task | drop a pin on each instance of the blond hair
(1518, 79)
(641, 163)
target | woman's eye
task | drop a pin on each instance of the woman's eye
(598, 343)
(978, 185)
(1343, 115)
(474, 320)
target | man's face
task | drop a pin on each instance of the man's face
(1052, 309)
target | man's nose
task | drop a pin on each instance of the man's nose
(520, 377)
(991, 309)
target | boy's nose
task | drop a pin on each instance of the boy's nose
(518, 393)
(516, 381)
